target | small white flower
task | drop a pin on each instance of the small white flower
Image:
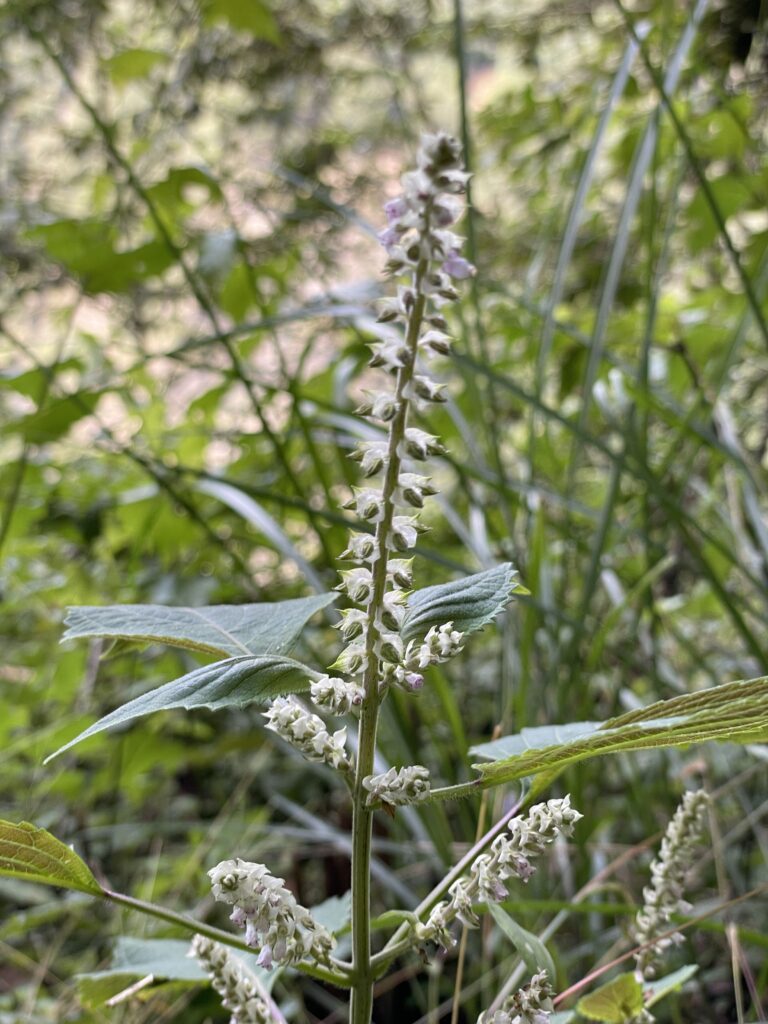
(509, 856)
(357, 584)
(238, 987)
(283, 930)
(336, 695)
(418, 444)
(292, 722)
(398, 786)
(529, 1005)
(362, 548)
(405, 532)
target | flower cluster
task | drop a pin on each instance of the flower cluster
(336, 695)
(529, 1005)
(398, 786)
(282, 930)
(288, 717)
(664, 896)
(419, 243)
(509, 856)
(236, 985)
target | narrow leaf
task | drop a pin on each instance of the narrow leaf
(233, 683)
(532, 950)
(469, 603)
(35, 855)
(734, 712)
(265, 628)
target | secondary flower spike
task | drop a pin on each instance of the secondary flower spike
(281, 929)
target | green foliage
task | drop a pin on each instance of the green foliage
(617, 1002)
(185, 226)
(233, 683)
(269, 628)
(734, 712)
(469, 603)
(35, 855)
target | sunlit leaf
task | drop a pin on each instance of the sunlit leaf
(35, 855)
(617, 1002)
(735, 712)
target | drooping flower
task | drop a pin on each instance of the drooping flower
(238, 987)
(282, 930)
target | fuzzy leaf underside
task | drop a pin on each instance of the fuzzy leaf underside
(469, 603)
(734, 712)
(35, 855)
(232, 683)
(232, 630)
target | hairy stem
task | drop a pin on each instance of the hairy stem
(361, 1005)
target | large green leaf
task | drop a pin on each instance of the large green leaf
(736, 712)
(35, 855)
(233, 629)
(235, 682)
(469, 603)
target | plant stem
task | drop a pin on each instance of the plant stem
(361, 1003)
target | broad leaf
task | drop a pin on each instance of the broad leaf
(35, 855)
(233, 683)
(469, 603)
(735, 712)
(617, 1002)
(162, 959)
(532, 950)
(233, 629)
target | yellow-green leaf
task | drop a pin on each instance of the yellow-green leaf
(35, 855)
(617, 1002)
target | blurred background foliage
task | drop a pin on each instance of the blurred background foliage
(190, 194)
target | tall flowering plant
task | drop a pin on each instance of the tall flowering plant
(424, 258)
(391, 633)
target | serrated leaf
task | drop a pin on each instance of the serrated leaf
(617, 1002)
(532, 950)
(233, 683)
(35, 855)
(265, 628)
(469, 603)
(734, 712)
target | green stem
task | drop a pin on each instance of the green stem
(361, 1003)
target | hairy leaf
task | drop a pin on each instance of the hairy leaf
(35, 855)
(469, 603)
(235, 682)
(736, 712)
(234, 629)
